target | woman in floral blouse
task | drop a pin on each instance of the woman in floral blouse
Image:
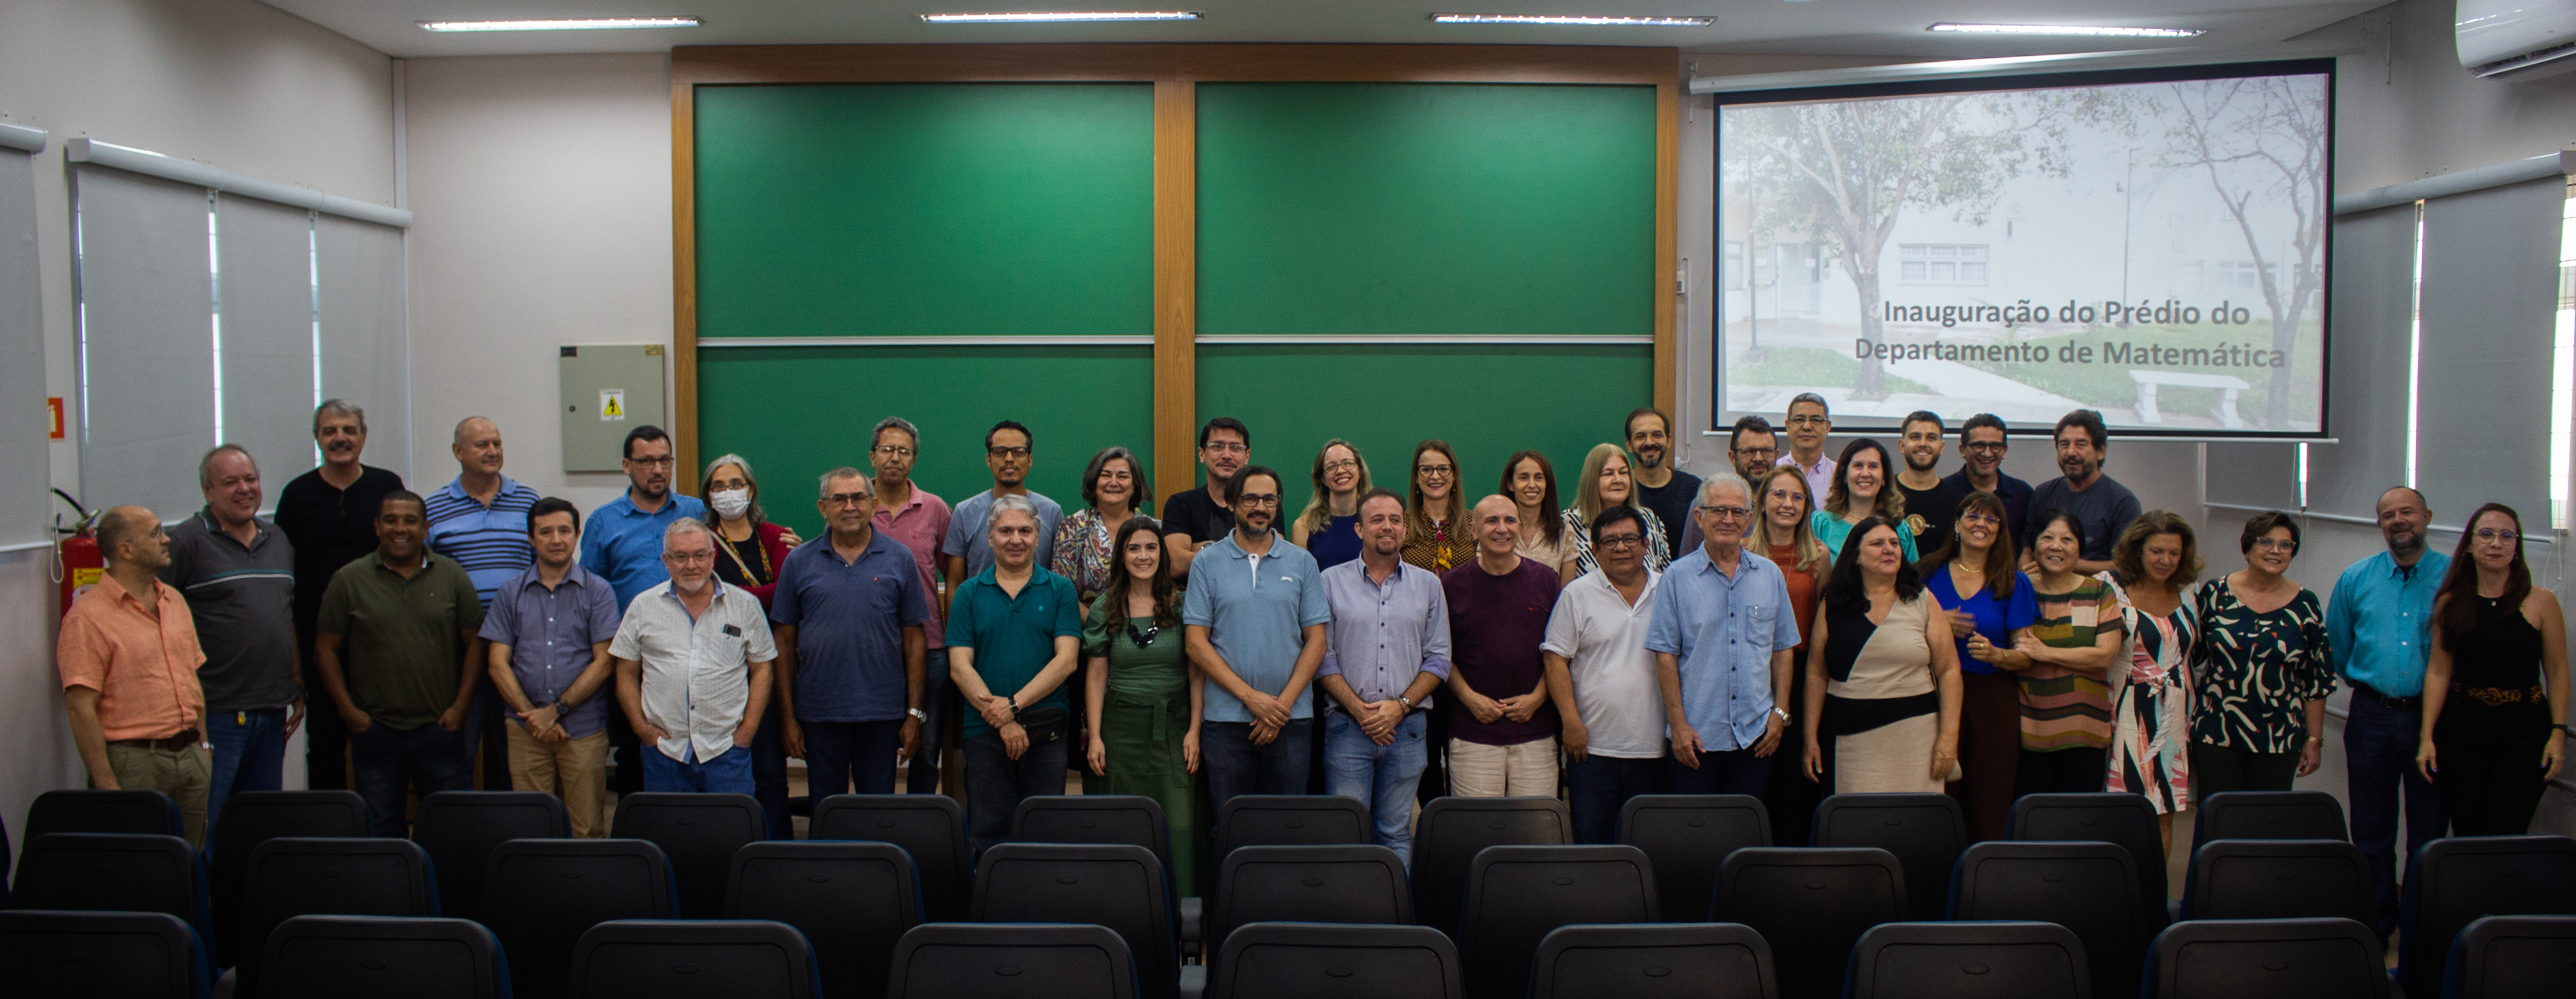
(1110, 487)
(2261, 670)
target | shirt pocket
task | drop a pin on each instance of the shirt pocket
(1763, 615)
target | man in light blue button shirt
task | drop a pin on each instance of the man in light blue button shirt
(1388, 649)
(1721, 638)
(2378, 625)
(1255, 618)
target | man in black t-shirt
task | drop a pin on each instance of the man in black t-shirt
(1197, 518)
(1662, 487)
(1931, 502)
(329, 515)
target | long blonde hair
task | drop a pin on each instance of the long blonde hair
(1587, 492)
(1811, 554)
(1319, 510)
(1417, 521)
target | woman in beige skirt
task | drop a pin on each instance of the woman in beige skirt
(1885, 686)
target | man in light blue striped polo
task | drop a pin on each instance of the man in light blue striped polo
(480, 520)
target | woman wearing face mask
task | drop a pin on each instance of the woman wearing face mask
(2495, 693)
(1329, 528)
(1082, 551)
(1606, 483)
(1139, 685)
(1861, 491)
(1436, 536)
(2066, 691)
(749, 551)
(1531, 483)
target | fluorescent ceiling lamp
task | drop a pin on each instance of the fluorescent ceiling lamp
(1066, 15)
(578, 24)
(2078, 30)
(1607, 20)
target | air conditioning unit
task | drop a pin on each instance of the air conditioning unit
(2515, 39)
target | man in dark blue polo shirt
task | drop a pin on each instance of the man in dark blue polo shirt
(847, 619)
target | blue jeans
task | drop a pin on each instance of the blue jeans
(843, 755)
(1381, 777)
(422, 761)
(1597, 787)
(1235, 766)
(250, 755)
(1736, 771)
(728, 773)
(995, 784)
(2379, 758)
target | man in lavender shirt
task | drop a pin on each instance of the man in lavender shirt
(1385, 651)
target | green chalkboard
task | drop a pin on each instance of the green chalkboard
(925, 209)
(797, 412)
(1365, 208)
(1486, 401)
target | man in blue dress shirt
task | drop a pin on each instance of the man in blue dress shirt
(1721, 638)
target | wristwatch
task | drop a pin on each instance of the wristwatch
(1406, 701)
(918, 715)
(1784, 716)
(560, 709)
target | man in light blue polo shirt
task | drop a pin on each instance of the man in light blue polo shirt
(1721, 639)
(847, 617)
(2379, 628)
(624, 546)
(1255, 617)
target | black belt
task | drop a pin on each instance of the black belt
(167, 744)
(2415, 703)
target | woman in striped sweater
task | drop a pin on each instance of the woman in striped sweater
(2065, 693)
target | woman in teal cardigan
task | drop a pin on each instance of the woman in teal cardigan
(1861, 491)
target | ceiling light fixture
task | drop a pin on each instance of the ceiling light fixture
(580, 24)
(1603, 20)
(1035, 17)
(2077, 30)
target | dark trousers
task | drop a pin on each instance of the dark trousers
(995, 784)
(326, 737)
(1597, 787)
(2379, 741)
(1792, 798)
(1989, 753)
(249, 755)
(1235, 766)
(485, 736)
(2490, 766)
(2218, 769)
(857, 755)
(391, 763)
(2072, 770)
(626, 752)
(938, 700)
(769, 775)
(1736, 771)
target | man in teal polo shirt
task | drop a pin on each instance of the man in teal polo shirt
(1012, 632)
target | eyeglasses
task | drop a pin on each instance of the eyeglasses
(1226, 447)
(1810, 420)
(2491, 534)
(1984, 447)
(1258, 499)
(1980, 518)
(689, 558)
(1765, 453)
(1439, 470)
(1620, 541)
(1728, 512)
(661, 462)
(849, 499)
(894, 450)
(1007, 452)
(1344, 465)
(2276, 545)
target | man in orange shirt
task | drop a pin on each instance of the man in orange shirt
(129, 657)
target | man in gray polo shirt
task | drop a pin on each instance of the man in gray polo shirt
(1255, 617)
(238, 574)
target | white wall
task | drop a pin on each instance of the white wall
(233, 83)
(2406, 109)
(541, 187)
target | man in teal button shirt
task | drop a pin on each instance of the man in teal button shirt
(2379, 627)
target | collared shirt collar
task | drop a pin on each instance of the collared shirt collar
(1601, 580)
(456, 487)
(129, 595)
(379, 556)
(259, 530)
(573, 576)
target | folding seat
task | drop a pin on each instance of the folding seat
(1117, 886)
(540, 895)
(2266, 959)
(381, 957)
(1657, 961)
(930, 827)
(2452, 882)
(699, 833)
(1924, 831)
(1448, 833)
(1688, 837)
(146, 813)
(2512, 957)
(1010, 961)
(114, 872)
(254, 817)
(1812, 904)
(2106, 817)
(1517, 895)
(2269, 815)
(2023, 960)
(851, 900)
(2087, 887)
(59, 954)
(1291, 820)
(2279, 879)
(460, 828)
(1308, 884)
(693, 959)
(1311, 960)
(1133, 819)
(292, 876)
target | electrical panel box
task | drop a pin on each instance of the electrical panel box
(608, 389)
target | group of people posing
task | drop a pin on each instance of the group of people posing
(1795, 625)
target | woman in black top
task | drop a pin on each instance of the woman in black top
(2497, 729)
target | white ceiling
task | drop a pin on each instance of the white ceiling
(1887, 28)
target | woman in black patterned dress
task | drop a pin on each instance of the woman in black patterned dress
(2261, 671)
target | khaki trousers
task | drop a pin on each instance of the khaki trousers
(1526, 770)
(183, 774)
(575, 770)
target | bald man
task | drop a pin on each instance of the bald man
(480, 521)
(1502, 734)
(128, 657)
(2378, 625)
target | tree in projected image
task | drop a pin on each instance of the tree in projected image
(2261, 143)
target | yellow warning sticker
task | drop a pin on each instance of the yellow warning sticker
(612, 404)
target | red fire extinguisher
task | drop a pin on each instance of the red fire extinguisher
(78, 563)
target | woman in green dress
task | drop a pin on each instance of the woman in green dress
(1143, 696)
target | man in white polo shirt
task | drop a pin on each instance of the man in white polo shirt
(693, 657)
(1603, 679)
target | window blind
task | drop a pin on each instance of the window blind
(25, 468)
(2371, 322)
(146, 302)
(2490, 299)
(365, 353)
(264, 294)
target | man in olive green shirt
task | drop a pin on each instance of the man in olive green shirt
(398, 632)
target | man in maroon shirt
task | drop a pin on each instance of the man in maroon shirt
(1502, 736)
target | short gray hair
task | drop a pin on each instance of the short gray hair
(1810, 397)
(206, 465)
(895, 423)
(1729, 479)
(343, 407)
(1007, 504)
(843, 472)
(686, 525)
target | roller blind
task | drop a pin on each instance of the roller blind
(2254, 474)
(25, 468)
(146, 340)
(2490, 297)
(264, 294)
(2371, 323)
(365, 356)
